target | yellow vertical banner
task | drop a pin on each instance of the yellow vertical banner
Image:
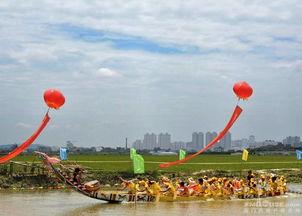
(245, 154)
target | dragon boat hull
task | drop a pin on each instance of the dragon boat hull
(117, 197)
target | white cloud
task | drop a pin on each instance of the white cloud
(41, 53)
(106, 72)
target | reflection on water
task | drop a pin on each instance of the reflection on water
(289, 205)
(73, 204)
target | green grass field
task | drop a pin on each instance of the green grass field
(202, 162)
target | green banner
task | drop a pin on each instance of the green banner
(182, 154)
(132, 153)
(138, 164)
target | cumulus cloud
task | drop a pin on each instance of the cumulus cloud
(106, 73)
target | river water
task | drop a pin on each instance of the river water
(62, 203)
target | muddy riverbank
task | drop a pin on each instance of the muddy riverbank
(111, 179)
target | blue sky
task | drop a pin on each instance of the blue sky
(123, 42)
(149, 66)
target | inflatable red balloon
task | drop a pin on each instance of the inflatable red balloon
(54, 98)
(243, 90)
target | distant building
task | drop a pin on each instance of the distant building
(190, 147)
(252, 142)
(245, 143)
(164, 141)
(269, 142)
(214, 134)
(237, 145)
(197, 140)
(291, 140)
(149, 141)
(138, 144)
(175, 146)
(209, 137)
(226, 142)
(240, 144)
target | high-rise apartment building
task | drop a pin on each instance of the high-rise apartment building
(149, 141)
(226, 142)
(138, 145)
(164, 141)
(197, 140)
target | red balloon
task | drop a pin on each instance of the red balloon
(54, 98)
(243, 90)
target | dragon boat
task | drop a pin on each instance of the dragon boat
(90, 190)
(107, 196)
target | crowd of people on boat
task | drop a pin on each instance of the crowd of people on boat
(260, 185)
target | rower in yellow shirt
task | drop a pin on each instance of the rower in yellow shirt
(210, 188)
(141, 186)
(169, 188)
(153, 188)
(129, 185)
(253, 192)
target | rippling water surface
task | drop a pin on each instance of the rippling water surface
(54, 203)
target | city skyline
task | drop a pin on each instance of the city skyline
(225, 144)
(199, 140)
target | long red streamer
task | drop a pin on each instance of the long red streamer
(237, 111)
(28, 142)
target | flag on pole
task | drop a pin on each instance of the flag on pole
(63, 153)
(138, 164)
(299, 154)
(245, 154)
(132, 153)
(182, 154)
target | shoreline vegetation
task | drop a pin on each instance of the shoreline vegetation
(27, 173)
(110, 180)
